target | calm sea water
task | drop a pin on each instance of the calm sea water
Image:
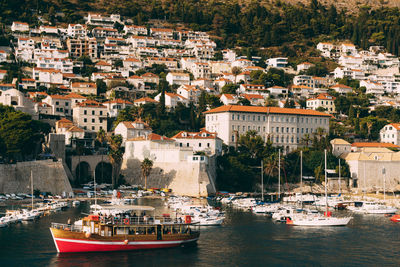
(245, 240)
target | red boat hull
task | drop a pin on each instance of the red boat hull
(65, 245)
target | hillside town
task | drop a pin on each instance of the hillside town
(80, 78)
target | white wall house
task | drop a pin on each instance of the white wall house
(325, 101)
(90, 116)
(179, 78)
(172, 99)
(18, 26)
(283, 126)
(390, 133)
(204, 141)
(132, 129)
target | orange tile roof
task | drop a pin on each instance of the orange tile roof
(323, 96)
(75, 129)
(374, 144)
(151, 137)
(118, 101)
(229, 96)
(149, 74)
(395, 125)
(75, 95)
(90, 103)
(195, 135)
(145, 99)
(267, 110)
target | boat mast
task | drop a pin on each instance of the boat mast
(301, 177)
(32, 188)
(279, 173)
(340, 188)
(95, 190)
(262, 181)
(384, 183)
(326, 192)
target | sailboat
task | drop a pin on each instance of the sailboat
(312, 219)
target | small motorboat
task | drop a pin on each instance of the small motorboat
(395, 218)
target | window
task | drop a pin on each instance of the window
(85, 112)
(302, 130)
(66, 104)
(277, 139)
(244, 117)
(277, 129)
(259, 118)
(244, 128)
(233, 127)
(264, 129)
(84, 120)
(233, 138)
(92, 128)
(297, 130)
(259, 128)
(208, 144)
(248, 128)
(263, 118)
(199, 144)
(254, 117)
(306, 130)
(282, 129)
(187, 145)
(287, 129)
(92, 120)
(101, 112)
(238, 117)
(93, 112)
(57, 103)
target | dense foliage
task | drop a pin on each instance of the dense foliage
(20, 136)
(252, 24)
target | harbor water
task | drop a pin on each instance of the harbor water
(245, 239)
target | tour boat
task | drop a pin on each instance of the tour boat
(124, 231)
(395, 218)
(370, 207)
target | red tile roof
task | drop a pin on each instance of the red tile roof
(268, 110)
(374, 144)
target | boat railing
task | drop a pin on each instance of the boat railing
(67, 227)
(140, 220)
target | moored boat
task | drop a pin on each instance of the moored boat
(124, 231)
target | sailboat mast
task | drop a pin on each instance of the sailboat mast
(384, 183)
(262, 181)
(301, 177)
(32, 188)
(95, 190)
(326, 181)
(340, 188)
(279, 173)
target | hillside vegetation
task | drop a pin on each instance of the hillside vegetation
(253, 24)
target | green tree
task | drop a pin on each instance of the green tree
(236, 71)
(115, 156)
(146, 167)
(229, 88)
(101, 87)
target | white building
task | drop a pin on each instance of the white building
(132, 129)
(229, 99)
(342, 89)
(61, 105)
(90, 116)
(116, 105)
(203, 141)
(86, 88)
(283, 126)
(64, 65)
(179, 78)
(18, 26)
(278, 62)
(71, 131)
(390, 133)
(17, 99)
(76, 30)
(374, 88)
(354, 74)
(172, 99)
(135, 30)
(48, 77)
(325, 101)
(189, 92)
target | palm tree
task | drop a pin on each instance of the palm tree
(236, 71)
(101, 137)
(115, 156)
(306, 139)
(146, 166)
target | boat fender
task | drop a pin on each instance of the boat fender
(126, 221)
(87, 235)
(126, 241)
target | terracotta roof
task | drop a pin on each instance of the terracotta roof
(145, 99)
(90, 103)
(59, 97)
(323, 96)
(252, 96)
(395, 125)
(341, 86)
(149, 74)
(267, 110)
(118, 101)
(195, 135)
(229, 96)
(374, 144)
(75, 129)
(102, 63)
(75, 95)
(152, 137)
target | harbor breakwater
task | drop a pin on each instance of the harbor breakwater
(48, 176)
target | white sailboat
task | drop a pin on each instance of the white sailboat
(319, 219)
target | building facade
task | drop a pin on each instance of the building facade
(290, 128)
